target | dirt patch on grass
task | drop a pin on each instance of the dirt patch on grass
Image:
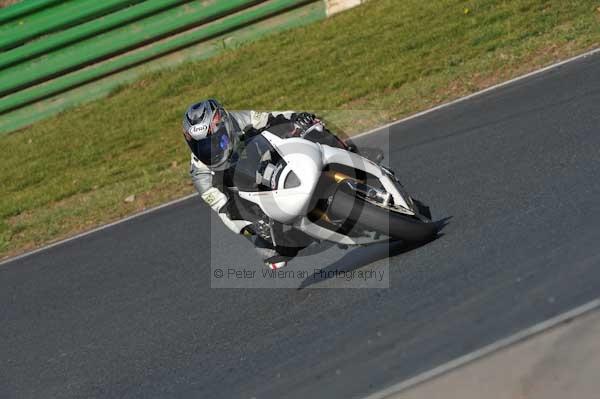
(6, 3)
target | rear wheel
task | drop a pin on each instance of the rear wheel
(348, 206)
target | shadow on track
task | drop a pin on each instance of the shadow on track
(362, 256)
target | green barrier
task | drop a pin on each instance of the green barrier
(84, 31)
(46, 108)
(125, 61)
(114, 42)
(55, 18)
(24, 8)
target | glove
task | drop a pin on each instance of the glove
(304, 120)
(249, 132)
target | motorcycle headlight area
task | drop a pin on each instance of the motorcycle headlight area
(400, 188)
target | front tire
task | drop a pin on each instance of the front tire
(347, 206)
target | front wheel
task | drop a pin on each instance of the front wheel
(346, 205)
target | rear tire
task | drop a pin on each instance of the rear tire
(345, 205)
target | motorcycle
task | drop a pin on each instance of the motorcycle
(308, 187)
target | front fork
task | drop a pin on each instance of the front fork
(357, 185)
(381, 197)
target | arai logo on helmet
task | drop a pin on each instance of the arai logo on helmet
(198, 131)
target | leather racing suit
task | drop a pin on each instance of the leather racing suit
(210, 185)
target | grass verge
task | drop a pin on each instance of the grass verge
(74, 171)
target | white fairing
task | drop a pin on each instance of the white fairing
(307, 160)
(304, 158)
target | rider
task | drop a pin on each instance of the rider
(213, 134)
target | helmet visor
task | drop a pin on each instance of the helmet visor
(215, 148)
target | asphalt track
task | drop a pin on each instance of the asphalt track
(129, 312)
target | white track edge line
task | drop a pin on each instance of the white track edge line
(386, 126)
(99, 228)
(487, 350)
(483, 91)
